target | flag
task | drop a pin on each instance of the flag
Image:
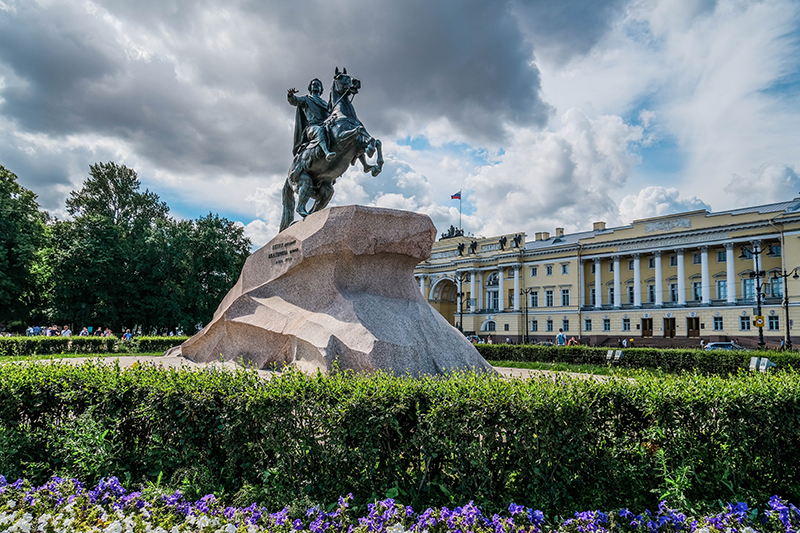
(456, 196)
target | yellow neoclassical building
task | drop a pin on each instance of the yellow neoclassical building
(669, 280)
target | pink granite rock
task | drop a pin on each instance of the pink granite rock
(337, 288)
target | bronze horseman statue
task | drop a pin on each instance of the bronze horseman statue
(328, 138)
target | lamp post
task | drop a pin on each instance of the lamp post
(785, 275)
(461, 277)
(526, 292)
(758, 274)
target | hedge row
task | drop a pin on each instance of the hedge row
(23, 346)
(554, 443)
(670, 360)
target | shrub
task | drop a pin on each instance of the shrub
(553, 442)
(671, 360)
(25, 346)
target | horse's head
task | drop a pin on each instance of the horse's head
(344, 84)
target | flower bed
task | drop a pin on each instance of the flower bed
(67, 505)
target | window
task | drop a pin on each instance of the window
(534, 271)
(630, 294)
(610, 295)
(548, 270)
(696, 259)
(592, 295)
(776, 289)
(748, 254)
(564, 297)
(775, 250)
(722, 289)
(534, 325)
(697, 290)
(718, 323)
(565, 324)
(492, 300)
(611, 266)
(549, 325)
(491, 326)
(548, 298)
(673, 292)
(651, 294)
(606, 324)
(565, 268)
(744, 323)
(630, 264)
(722, 257)
(587, 324)
(749, 286)
(673, 260)
(593, 267)
(505, 327)
(535, 299)
(773, 323)
(626, 324)
(651, 263)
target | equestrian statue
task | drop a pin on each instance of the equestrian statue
(328, 138)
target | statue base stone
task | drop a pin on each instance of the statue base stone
(337, 289)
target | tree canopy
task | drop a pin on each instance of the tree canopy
(21, 236)
(122, 262)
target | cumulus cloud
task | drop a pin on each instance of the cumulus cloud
(769, 183)
(657, 201)
(564, 178)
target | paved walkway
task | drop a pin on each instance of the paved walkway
(126, 361)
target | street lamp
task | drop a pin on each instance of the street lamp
(461, 277)
(526, 292)
(785, 275)
(758, 274)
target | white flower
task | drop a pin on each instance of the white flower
(114, 527)
(397, 528)
(11, 504)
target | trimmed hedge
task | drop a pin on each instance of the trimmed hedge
(554, 442)
(671, 360)
(24, 346)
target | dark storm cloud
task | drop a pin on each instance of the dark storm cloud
(199, 87)
(561, 30)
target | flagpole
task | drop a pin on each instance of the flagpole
(459, 210)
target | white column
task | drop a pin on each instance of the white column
(681, 279)
(617, 295)
(637, 282)
(472, 274)
(598, 285)
(659, 281)
(422, 284)
(731, 272)
(704, 277)
(756, 247)
(480, 290)
(516, 287)
(581, 284)
(501, 305)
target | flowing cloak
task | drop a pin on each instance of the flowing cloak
(301, 122)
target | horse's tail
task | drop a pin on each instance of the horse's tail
(288, 206)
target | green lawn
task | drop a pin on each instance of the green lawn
(600, 370)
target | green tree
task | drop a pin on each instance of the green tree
(22, 228)
(99, 274)
(219, 250)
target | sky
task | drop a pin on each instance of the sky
(544, 114)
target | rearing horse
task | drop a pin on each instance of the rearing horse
(311, 176)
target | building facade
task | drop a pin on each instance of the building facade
(669, 280)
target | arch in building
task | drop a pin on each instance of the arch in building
(489, 325)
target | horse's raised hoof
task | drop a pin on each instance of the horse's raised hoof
(302, 212)
(376, 170)
(330, 156)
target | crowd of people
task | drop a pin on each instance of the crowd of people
(54, 331)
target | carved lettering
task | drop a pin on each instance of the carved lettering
(278, 254)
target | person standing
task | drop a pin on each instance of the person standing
(561, 339)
